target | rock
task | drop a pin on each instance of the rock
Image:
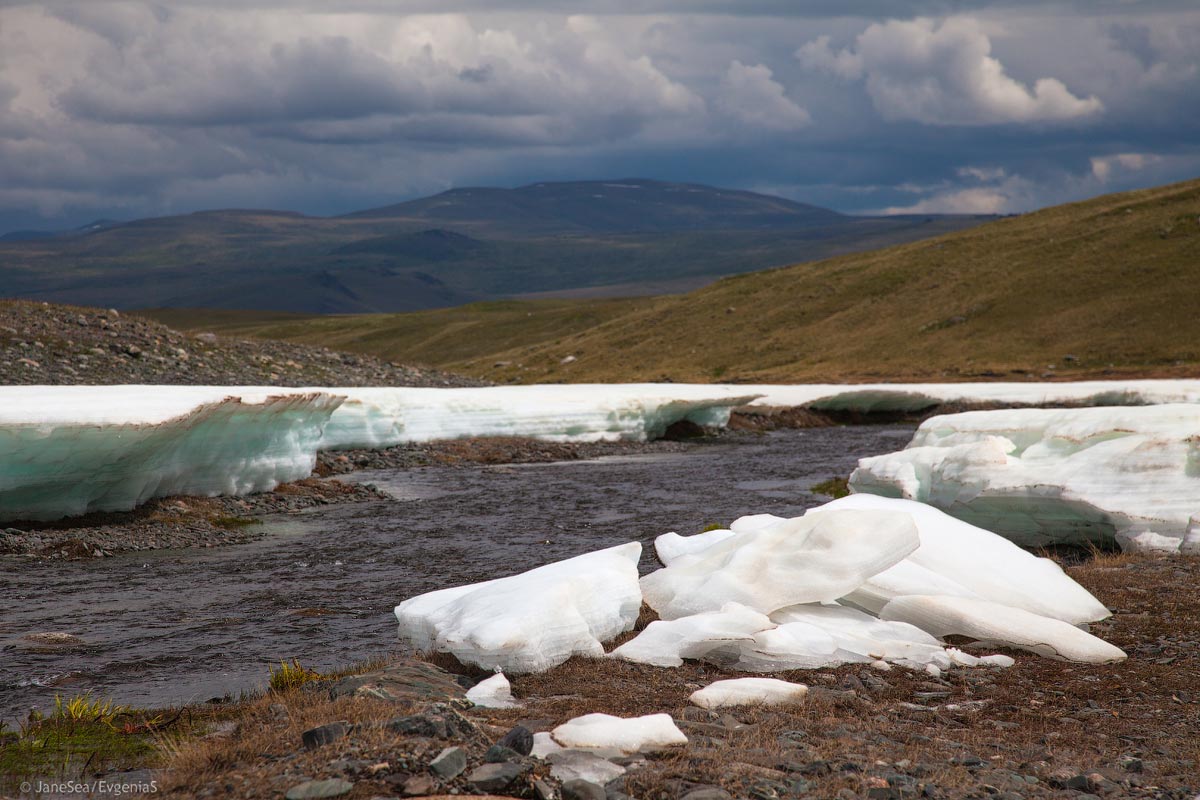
(440, 722)
(404, 681)
(707, 793)
(519, 739)
(324, 734)
(543, 791)
(315, 790)
(498, 754)
(582, 790)
(450, 763)
(419, 786)
(495, 777)
(570, 765)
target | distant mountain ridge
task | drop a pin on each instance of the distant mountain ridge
(455, 247)
(628, 205)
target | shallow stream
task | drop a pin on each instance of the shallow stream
(170, 627)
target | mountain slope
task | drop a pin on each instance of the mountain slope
(457, 247)
(1106, 286)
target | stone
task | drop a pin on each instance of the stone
(419, 786)
(582, 790)
(495, 777)
(569, 765)
(707, 793)
(324, 734)
(543, 791)
(403, 681)
(450, 763)
(439, 721)
(316, 790)
(519, 739)
(498, 754)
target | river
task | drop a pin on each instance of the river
(170, 627)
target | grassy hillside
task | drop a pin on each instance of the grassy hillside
(1106, 286)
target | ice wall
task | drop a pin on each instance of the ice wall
(74, 449)
(382, 417)
(67, 450)
(875, 397)
(1042, 476)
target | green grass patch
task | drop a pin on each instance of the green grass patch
(834, 487)
(291, 676)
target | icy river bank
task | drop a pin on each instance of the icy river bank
(185, 626)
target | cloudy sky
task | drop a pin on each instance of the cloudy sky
(128, 109)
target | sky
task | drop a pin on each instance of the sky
(131, 109)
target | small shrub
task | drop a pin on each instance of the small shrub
(82, 708)
(712, 526)
(834, 487)
(291, 676)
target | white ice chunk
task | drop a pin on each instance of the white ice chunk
(749, 692)
(670, 547)
(665, 643)
(857, 637)
(626, 735)
(494, 692)
(532, 621)
(808, 559)
(67, 450)
(955, 555)
(796, 645)
(997, 624)
(544, 745)
(752, 522)
(1054, 476)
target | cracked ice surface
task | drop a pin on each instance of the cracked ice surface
(1002, 591)
(1046, 476)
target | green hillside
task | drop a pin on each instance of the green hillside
(1108, 286)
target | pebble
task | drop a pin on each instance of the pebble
(450, 763)
(519, 739)
(495, 777)
(582, 790)
(316, 790)
(324, 734)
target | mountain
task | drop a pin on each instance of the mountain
(596, 237)
(628, 205)
(1102, 287)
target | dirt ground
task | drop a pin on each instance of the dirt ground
(1041, 728)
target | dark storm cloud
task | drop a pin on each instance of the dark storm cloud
(135, 108)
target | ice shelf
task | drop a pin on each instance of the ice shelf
(67, 450)
(72, 449)
(1056, 476)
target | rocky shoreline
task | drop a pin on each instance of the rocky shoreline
(1039, 729)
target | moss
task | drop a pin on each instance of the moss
(834, 487)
